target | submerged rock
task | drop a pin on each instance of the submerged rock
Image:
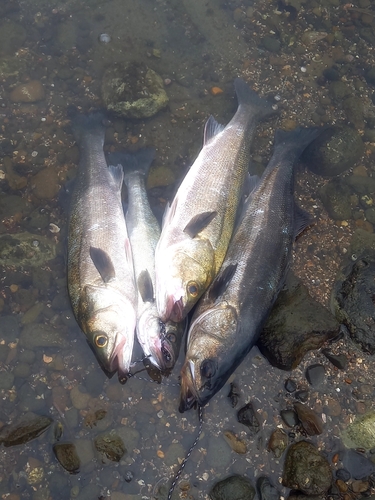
(297, 324)
(25, 249)
(335, 196)
(357, 464)
(278, 442)
(352, 300)
(310, 421)
(361, 433)
(32, 91)
(110, 447)
(247, 416)
(67, 456)
(39, 335)
(28, 428)
(233, 488)
(305, 469)
(133, 90)
(266, 490)
(337, 149)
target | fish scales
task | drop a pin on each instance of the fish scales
(231, 314)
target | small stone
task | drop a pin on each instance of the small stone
(80, 399)
(32, 91)
(278, 442)
(343, 474)
(25, 430)
(160, 454)
(310, 421)
(315, 374)
(67, 456)
(110, 447)
(290, 385)
(339, 360)
(236, 444)
(289, 417)
(332, 407)
(247, 416)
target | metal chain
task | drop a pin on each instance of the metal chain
(179, 472)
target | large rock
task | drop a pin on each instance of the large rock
(335, 196)
(297, 324)
(233, 488)
(25, 249)
(336, 150)
(361, 432)
(133, 90)
(306, 470)
(352, 299)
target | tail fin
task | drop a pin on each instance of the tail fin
(292, 143)
(248, 97)
(88, 125)
(138, 162)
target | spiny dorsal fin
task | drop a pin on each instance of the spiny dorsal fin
(103, 264)
(145, 286)
(211, 129)
(222, 281)
(198, 223)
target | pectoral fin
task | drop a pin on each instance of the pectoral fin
(198, 223)
(145, 286)
(103, 264)
(222, 281)
(302, 220)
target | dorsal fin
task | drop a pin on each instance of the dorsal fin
(103, 264)
(211, 129)
(145, 286)
(222, 281)
(198, 223)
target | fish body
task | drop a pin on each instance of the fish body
(230, 316)
(199, 223)
(100, 266)
(159, 340)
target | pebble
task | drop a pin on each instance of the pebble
(67, 456)
(45, 184)
(236, 444)
(290, 385)
(315, 374)
(289, 417)
(332, 407)
(343, 474)
(79, 399)
(338, 360)
(278, 442)
(6, 380)
(310, 421)
(32, 91)
(247, 416)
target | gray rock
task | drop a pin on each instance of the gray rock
(271, 43)
(296, 325)
(353, 107)
(305, 469)
(233, 488)
(133, 90)
(361, 240)
(38, 335)
(338, 90)
(6, 380)
(360, 184)
(266, 490)
(9, 329)
(337, 149)
(335, 196)
(352, 300)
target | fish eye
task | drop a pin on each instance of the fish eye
(208, 368)
(171, 337)
(192, 288)
(101, 340)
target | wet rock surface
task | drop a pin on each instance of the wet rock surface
(353, 300)
(30, 427)
(305, 469)
(133, 90)
(247, 416)
(361, 432)
(25, 249)
(233, 488)
(297, 324)
(266, 490)
(310, 421)
(278, 442)
(110, 447)
(335, 196)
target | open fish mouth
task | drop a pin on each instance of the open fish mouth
(188, 397)
(119, 362)
(176, 311)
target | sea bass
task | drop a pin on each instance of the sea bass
(230, 316)
(160, 341)
(100, 266)
(199, 223)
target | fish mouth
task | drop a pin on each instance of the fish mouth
(176, 313)
(119, 362)
(188, 397)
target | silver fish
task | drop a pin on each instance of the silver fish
(160, 341)
(199, 223)
(100, 266)
(230, 316)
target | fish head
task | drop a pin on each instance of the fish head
(182, 276)
(208, 360)
(149, 327)
(108, 320)
(171, 338)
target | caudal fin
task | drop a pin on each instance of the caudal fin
(248, 97)
(292, 143)
(138, 162)
(90, 125)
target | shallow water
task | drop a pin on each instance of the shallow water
(197, 46)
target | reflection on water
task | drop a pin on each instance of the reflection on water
(52, 56)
